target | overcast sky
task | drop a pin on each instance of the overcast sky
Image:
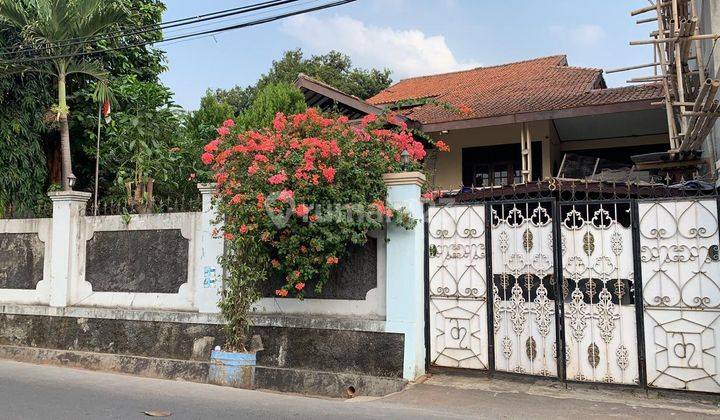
(410, 37)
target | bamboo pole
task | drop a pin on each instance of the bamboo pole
(698, 44)
(649, 8)
(639, 66)
(674, 39)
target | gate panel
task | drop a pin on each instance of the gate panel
(598, 292)
(458, 289)
(681, 293)
(524, 288)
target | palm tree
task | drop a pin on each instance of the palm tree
(56, 35)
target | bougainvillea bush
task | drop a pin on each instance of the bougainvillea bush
(295, 195)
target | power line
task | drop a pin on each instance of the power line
(186, 36)
(155, 27)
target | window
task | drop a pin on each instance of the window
(503, 173)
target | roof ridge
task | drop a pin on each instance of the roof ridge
(650, 85)
(558, 56)
(320, 82)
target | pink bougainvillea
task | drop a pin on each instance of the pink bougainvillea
(275, 181)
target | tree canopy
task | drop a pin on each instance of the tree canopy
(333, 68)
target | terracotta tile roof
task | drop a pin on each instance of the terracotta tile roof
(542, 84)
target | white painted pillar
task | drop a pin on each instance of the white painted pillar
(68, 213)
(405, 275)
(210, 273)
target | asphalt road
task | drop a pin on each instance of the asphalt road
(47, 392)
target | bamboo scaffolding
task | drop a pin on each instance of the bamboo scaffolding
(690, 103)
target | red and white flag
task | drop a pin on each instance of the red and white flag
(106, 112)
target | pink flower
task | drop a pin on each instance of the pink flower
(244, 229)
(229, 123)
(286, 195)
(212, 146)
(279, 121)
(223, 131)
(369, 118)
(281, 292)
(442, 146)
(299, 286)
(207, 158)
(277, 179)
(301, 210)
(329, 174)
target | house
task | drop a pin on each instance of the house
(519, 121)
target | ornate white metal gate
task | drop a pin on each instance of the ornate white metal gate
(524, 288)
(638, 301)
(458, 289)
(681, 293)
(598, 291)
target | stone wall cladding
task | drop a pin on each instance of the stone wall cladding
(137, 338)
(353, 277)
(353, 352)
(22, 257)
(139, 261)
(361, 352)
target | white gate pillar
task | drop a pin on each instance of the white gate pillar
(68, 211)
(212, 246)
(405, 290)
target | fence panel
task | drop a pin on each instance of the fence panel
(524, 288)
(458, 287)
(681, 293)
(598, 292)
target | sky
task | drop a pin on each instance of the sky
(409, 37)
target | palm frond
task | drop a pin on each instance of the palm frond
(12, 13)
(97, 17)
(88, 68)
(103, 92)
(10, 69)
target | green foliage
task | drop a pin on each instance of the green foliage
(143, 142)
(27, 141)
(199, 126)
(22, 158)
(144, 63)
(273, 98)
(333, 68)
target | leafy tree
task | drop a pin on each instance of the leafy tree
(142, 62)
(333, 68)
(60, 29)
(22, 159)
(273, 98)
(142, 141)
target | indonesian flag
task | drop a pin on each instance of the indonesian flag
(106, 111)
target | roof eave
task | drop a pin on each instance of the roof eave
(305, 82)
(542, 115)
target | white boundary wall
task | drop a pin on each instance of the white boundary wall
(41, 294)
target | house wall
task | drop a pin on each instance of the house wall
(448, 166)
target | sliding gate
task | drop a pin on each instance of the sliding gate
(578, 289)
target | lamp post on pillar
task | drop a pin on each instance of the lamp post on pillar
(405, 291)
